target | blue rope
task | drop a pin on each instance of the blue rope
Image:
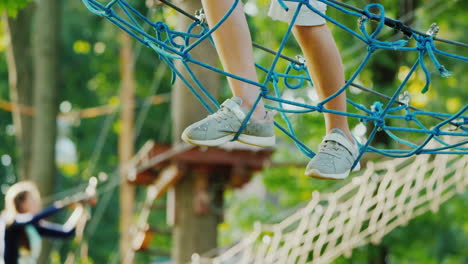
(165, 42)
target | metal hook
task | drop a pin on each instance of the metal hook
(301, 59)
(405, 98)
(362, 20)
(433, 30)
(200, 15)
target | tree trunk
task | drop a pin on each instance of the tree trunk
(20, 76)
(406, 11)
(126, 146)
(46, 77)
(46, 39)
(193, 232)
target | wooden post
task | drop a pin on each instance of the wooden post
(192, 232)
(126, 145)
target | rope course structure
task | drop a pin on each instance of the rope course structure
(172, 45)
(385, 196)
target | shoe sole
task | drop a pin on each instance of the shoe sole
(246, 139)
(314, 173)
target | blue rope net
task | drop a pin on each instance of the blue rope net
(166, 43)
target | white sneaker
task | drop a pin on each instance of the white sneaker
(335, 157)
(222, 126)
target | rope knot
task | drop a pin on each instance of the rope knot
(160, 26)
(186, 56)
(274, 77)
(409, 117)
(263, 91)
(421, 43)
(377, 110)
(371, 47)
(108, 12)
(320, 107)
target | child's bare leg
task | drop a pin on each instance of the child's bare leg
(234, 46)
(326, 69)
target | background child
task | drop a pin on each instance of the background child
(25, 223)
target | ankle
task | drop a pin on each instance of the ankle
(258, 116)
(350, 137)
(347, 132)
(259, 112)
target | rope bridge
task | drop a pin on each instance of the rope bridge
(386, 195)
(172, 45)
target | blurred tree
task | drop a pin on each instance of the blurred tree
(20, 76)
(46, 52)
(193, 231)
(126, 144)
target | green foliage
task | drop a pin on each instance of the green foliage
(7, 148)
(12, 6)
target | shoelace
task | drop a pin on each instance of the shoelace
(222, 114)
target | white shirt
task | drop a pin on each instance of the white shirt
(2, 240)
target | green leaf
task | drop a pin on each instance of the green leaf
(12, 6)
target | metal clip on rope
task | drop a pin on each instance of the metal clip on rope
(200, 15)
(433, 30)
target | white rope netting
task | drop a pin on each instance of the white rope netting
(384, 196)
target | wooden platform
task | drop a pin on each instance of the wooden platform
(236, 160)
(158, 168)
